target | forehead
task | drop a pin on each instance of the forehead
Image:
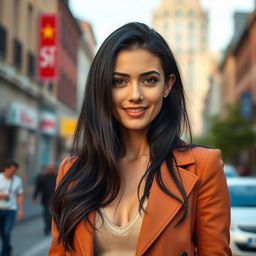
(137, 60)
(12, 167)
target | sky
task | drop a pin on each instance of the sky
(107, 15)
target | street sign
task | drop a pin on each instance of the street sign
(48, 47)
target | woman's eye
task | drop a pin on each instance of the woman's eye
(118, 82)
(151, 80)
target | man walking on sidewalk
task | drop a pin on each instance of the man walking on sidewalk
(45, 185)
(11, 203)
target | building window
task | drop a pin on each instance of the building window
(191, 13)
(191, 26)
(3, 36)
(17, 56)
(178, 13)
(31, 64)
(50, 86)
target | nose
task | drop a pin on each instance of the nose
(136, 93)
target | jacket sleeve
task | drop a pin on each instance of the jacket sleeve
(57, 249)
(213, 209)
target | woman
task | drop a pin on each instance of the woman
(133, 186)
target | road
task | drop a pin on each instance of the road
(28, 238)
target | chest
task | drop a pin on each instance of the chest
(126, 205)
(7, 185)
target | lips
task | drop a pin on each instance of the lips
(135, 111)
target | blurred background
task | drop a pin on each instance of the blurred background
(46, 48)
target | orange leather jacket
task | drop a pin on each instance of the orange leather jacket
(205, 230)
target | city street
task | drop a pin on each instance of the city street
(28, 238)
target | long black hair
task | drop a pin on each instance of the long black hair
(97, 141)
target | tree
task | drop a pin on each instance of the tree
(232, 135)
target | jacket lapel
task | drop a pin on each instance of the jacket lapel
(162, 208)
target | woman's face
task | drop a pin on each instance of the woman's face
(138, 88)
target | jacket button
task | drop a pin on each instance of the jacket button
(183, 254)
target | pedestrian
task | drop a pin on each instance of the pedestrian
(11, 203)
(132, 186)
(45, 184)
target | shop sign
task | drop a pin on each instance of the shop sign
(48, 44)
(48, 123)
(21, 115)
(67, 126)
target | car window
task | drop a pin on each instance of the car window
(242, 196)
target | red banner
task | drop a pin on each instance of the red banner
(48, 46)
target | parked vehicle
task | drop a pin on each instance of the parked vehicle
(243, 215)
(230, 171)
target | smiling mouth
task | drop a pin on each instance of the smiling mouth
(135, 112)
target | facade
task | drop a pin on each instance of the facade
(30, 109)
(27, 106)
(245, 78)
(184, 24)
(213, 104)
(238, 72)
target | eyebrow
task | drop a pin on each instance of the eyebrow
(151, 72)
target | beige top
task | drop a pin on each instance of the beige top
(112, 240)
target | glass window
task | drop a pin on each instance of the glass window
(191, 13)
(178, 13)
(191, 26)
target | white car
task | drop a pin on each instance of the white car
(243, 215)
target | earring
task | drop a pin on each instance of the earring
(166, 94)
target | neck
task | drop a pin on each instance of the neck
(135, 144)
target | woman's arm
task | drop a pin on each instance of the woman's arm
(213, 208)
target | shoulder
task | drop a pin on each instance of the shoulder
(201, 154)
(204, 159)
(64, 167)
(17, 179)
(195, 154)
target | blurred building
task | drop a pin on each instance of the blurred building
(31, 110)
(213, 104)
(184, 24)
(236, 75)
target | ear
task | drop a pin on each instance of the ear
(169, 84)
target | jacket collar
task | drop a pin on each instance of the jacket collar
(159, 213)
